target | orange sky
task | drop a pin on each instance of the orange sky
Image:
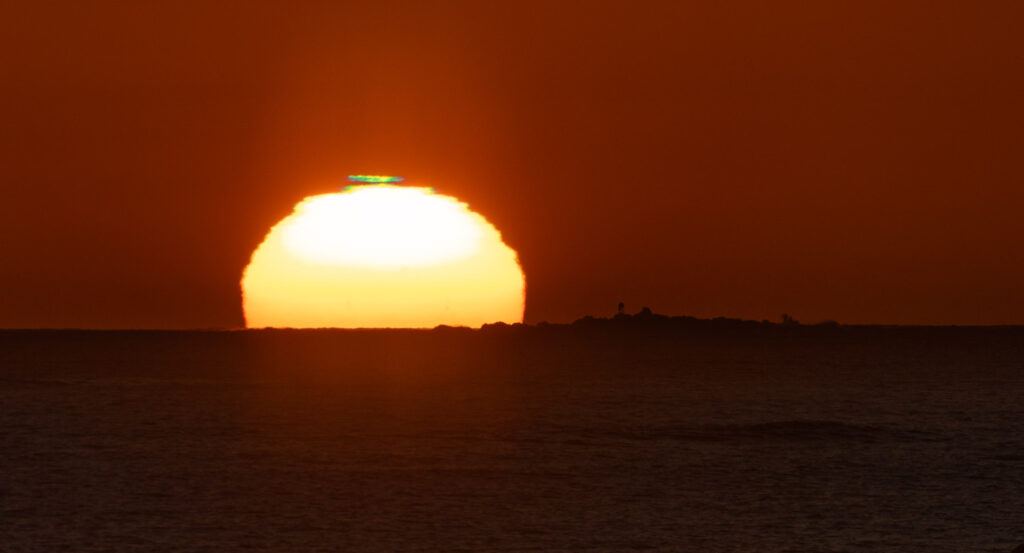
(858, 161)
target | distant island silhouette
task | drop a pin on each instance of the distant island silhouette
(643, 321)
(646, 318)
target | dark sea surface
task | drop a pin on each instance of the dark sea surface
(550, 439)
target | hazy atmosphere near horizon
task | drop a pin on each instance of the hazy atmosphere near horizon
(487, 276)
(855, 161)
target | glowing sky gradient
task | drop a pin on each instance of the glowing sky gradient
(855, 161)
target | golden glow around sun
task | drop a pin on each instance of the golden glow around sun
(382, 256)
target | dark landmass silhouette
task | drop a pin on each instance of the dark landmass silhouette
(647, 320)
(611, 343)
(644, 321)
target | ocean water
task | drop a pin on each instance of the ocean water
(544, 439)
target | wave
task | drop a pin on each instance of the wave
(789, 430)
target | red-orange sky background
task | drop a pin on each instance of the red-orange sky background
(857, 161)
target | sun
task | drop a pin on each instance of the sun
(382, 256)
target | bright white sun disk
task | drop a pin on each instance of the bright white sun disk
(382, 256)
(382, 227)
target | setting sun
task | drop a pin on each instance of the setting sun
(382, 256)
